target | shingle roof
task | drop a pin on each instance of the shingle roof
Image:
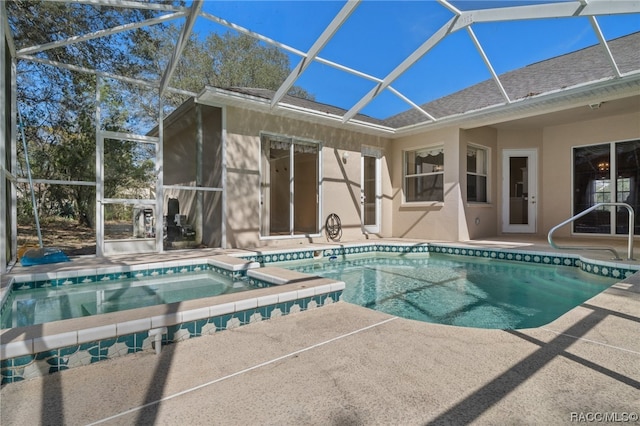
(587, 65)
(582, 66)
(303, 103)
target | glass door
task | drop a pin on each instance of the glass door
(370, 193)
(519, 191)
(289, 187)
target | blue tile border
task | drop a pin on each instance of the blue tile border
(28, 366)
(23, 367)
(606, 269)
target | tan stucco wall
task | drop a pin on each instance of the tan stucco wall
(480, 218)
(340, 180)
(518, 139)
(556, 168)
(432, 220)
(452, 220)
(554, 145)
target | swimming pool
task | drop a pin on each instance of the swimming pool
(155, 319)
(468, 292)
(53, 303)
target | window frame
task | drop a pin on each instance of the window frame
(612, 166)
(486, 175)
(405, 176)
(292, 141)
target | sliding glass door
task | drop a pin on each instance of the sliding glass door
(606, 173)
(289, 187)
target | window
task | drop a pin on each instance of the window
(289, 186)
(477, 174)
(601, 174)
(424, 175)
(601, 192)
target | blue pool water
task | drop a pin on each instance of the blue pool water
(37, 306)
(468, 292)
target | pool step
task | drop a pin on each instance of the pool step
(279, 276)
(231, 263)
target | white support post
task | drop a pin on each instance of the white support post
(436, 38)
(99, 222)
(160, 179)
(183, 39)
(199, 220)
(3, 144)
(14, 160)
(99, 33)
(605, 45)
(324, 38)
(487, 62)
(223, 220)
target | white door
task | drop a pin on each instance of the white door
(370, 192)
(519, 190)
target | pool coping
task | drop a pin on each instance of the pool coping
(27, 345)
(28, 351)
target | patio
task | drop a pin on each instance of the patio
(344, 364)
(367, 368)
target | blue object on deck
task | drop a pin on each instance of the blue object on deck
(41, 256)
(333, 258)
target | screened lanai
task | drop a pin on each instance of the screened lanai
(102, 89)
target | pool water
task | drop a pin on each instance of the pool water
(469, 292)
(37, 306)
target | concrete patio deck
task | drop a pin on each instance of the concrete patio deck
(347, 365)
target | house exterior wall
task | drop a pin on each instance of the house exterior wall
(454, 219)
(480, 219)
(519, 139)
(556, 165)
(554, 145)
(429, 220)
(340, 180)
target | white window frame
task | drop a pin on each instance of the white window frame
(292, 140)
(612, 182)
(487, 157)
(433, 173)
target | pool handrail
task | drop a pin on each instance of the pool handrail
(611, 249)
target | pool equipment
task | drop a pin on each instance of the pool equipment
(144, 225)
(176, 224)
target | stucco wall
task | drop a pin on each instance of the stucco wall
(340, 180)
(554, 145)
(428, 220)
(481, 219)
(556, 168)
(519, 139)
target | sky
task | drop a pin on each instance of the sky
(379, 35)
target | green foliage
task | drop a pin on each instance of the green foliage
(59, 105)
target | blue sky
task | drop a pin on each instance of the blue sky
(380, 34)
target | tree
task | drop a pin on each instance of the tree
(58, 105)
(219, 60)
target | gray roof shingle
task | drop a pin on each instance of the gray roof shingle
(590, 64)
(586, 65)
(303, 103)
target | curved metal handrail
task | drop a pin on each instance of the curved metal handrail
(611, 249)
